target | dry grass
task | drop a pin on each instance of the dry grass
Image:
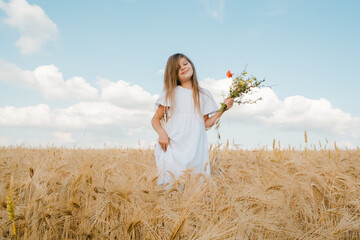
(112, 194)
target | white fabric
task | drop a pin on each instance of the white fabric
(188, 147)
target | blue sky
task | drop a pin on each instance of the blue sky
(71, 70)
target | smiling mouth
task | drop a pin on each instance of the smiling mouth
(185, 72)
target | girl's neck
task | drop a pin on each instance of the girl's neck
(187, 84)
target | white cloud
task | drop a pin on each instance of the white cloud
(12, 74)
(49, 80)
(127, 96)
(345, 145)
(218, 88)
(214, 8)
(34, 25)
(298, 112)
(121, 104)
(161, 71)
(81, 116)
(129, 108)
(87, 115)
(264, 107)
(31, 116)
(293, 113)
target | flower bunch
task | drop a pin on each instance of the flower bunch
(241, 85)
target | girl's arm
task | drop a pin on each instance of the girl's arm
(164, 140)
(209, 122)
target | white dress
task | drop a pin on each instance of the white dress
(188, 148)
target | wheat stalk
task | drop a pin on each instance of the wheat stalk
(11, 204)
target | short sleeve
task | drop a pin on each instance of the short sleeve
(208, 105)
(161, 100)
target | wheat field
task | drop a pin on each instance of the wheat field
(62, 193)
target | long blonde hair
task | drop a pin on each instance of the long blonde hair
(171, 81)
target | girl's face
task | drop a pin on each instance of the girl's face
(185, 71)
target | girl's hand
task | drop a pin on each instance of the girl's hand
(164, 141)
(229, 103)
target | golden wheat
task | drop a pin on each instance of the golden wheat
(112, 194)
(11, 205)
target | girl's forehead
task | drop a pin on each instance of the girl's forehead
(182, 60)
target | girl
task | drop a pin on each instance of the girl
(186, 110)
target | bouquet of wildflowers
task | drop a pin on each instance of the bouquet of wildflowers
(241, 85)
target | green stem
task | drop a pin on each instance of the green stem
(223, 107)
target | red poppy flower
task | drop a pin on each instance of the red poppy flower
(229, 74)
